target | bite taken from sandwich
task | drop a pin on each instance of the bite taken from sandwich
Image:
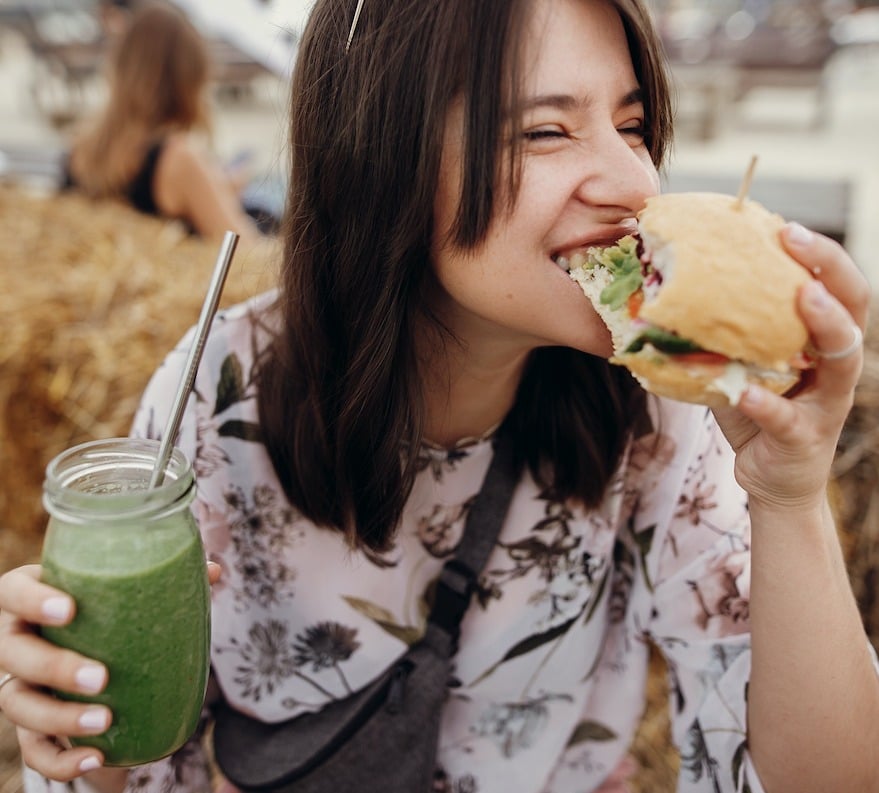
(701, 301)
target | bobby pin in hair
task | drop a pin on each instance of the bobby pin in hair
(354, 24)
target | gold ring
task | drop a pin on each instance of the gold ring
(857, 341)
(8, 677)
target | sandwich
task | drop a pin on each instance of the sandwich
(700, 302)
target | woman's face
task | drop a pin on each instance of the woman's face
(585, 173)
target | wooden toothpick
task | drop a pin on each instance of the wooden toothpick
(746, 183)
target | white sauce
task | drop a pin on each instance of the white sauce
(733, 382)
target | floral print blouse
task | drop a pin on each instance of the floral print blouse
(550, 674)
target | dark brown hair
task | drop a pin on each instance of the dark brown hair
(340, 391)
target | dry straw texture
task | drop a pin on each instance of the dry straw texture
(92, 296)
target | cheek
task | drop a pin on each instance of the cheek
(652, 173)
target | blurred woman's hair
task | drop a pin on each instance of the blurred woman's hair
(157, 75)
(341, 388)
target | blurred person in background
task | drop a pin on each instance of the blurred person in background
(144, 147)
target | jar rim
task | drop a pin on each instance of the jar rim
(109, 479)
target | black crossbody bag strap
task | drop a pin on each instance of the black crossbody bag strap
(460, 574)
(345, 747)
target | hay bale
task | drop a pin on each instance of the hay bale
(92, 296)
(854, 488)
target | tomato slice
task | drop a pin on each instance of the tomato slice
(636, 300)
(702, 357)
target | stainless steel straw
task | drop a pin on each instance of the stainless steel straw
(208, 309)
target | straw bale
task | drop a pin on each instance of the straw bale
(92, 296)
(855, 487)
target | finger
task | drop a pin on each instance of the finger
(736, 427)
(47, 757)
(772, 413)
(23, 595)
(829, 262)
(34, 709)
(40, 663)
(832, 330)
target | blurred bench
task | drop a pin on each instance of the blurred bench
(67, 44)
(718, 61)
(819, 204)
(233, 70)
(785, 57)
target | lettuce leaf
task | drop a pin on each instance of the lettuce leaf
(662, 340)
(622, 261)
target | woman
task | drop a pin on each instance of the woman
(440, 164)
(143, 147)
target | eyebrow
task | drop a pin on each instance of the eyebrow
(569, 102)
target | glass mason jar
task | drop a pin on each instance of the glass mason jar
(132, 559)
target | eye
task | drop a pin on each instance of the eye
(543, 133)
(634, 130)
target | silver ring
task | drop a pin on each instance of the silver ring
(7, 678)
(857, 341)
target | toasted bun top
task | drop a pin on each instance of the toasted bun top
(727, 283)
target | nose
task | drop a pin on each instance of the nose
(618, 175)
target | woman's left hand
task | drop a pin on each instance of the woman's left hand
(785, 445)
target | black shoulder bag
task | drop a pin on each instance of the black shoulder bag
(385, 736)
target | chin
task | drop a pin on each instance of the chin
(585, 331)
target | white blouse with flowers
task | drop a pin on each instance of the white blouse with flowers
(550, 675)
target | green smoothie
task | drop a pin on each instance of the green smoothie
(143, 609)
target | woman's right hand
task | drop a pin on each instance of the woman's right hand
(41, 720)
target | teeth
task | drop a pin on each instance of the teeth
(572, 262)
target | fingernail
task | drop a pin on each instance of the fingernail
(91, 678)
(799, 234)
(817, 295)
(95, 719)
(90, 764)
(57, 609)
